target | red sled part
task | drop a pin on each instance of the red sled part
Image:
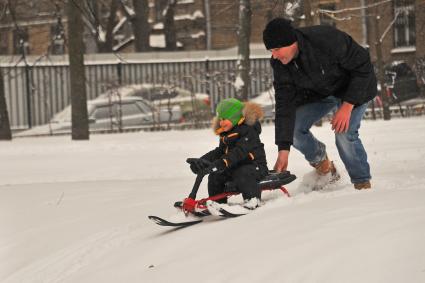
(190, 205)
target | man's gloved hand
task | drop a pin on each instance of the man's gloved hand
(198, 165)
(217, 166)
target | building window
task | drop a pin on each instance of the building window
(20, 41)
(57, 42)
(4, 42)
(324, 18)
(404, 26)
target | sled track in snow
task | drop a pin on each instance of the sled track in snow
(60, 265)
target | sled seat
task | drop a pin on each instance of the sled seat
(275, 180)
(272, 181)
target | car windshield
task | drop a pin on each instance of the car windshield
(65, 114)
(103, 112)
(156, 93)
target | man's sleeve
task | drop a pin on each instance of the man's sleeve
(285, 105)
(356, 60)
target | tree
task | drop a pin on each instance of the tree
(102, 29)
(5, 133)
(80, 128)
(243, 66)
(169, 27)
(307, 13)
(141, 27)
(139, 21)
(381, 73)
(109, 38)
(377, 42)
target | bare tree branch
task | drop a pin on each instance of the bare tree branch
(389, 26)
(352, 9)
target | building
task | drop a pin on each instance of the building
(208, 24)
(37, 30)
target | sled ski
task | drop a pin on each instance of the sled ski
(163, 222)
(228, 214)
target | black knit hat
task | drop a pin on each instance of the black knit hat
(278, 33)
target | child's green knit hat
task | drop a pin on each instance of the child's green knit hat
(230, 109)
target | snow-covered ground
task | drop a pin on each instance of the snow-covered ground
(76, 211)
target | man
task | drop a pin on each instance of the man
(317, 70)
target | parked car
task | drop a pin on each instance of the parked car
(196, 105)
(111, 114)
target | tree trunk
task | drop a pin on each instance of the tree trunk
(80, 125)
(207, 9)
(5, 133)
(169, 27)
(244, 33)
(307, 13)
(107, 46)
(141, 28)
(381, 74)
(309, 22)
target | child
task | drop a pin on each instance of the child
(240, 156)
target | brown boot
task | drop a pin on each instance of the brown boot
(363, 185)
(325, 166)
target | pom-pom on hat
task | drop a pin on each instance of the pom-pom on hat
(230, 109)
(278, 33)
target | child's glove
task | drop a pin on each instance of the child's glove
(217, 166)
(198, 165)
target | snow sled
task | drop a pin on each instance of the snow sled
(200, 208)
(272, 181)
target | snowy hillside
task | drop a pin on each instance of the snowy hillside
(76, 211)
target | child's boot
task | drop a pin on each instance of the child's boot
(252, 203)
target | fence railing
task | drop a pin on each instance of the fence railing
(35, 92)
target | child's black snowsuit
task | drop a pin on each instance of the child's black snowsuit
(243, 153)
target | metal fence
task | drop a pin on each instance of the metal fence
(35, 92)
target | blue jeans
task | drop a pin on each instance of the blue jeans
(349, 145)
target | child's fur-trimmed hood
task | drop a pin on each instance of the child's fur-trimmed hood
(251, 113)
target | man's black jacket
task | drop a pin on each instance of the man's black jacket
(329, 62)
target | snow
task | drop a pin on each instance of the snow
(265, 98)
(198, 34)
(403, 49)
(119, 25)
(291, 8)
(159, 25)
(76, 211)
(129, 10)
(197, 14)
(101, 34)
(121, 44)
(157, 40)
(238, 84)
(185, 1)
(396, 63)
